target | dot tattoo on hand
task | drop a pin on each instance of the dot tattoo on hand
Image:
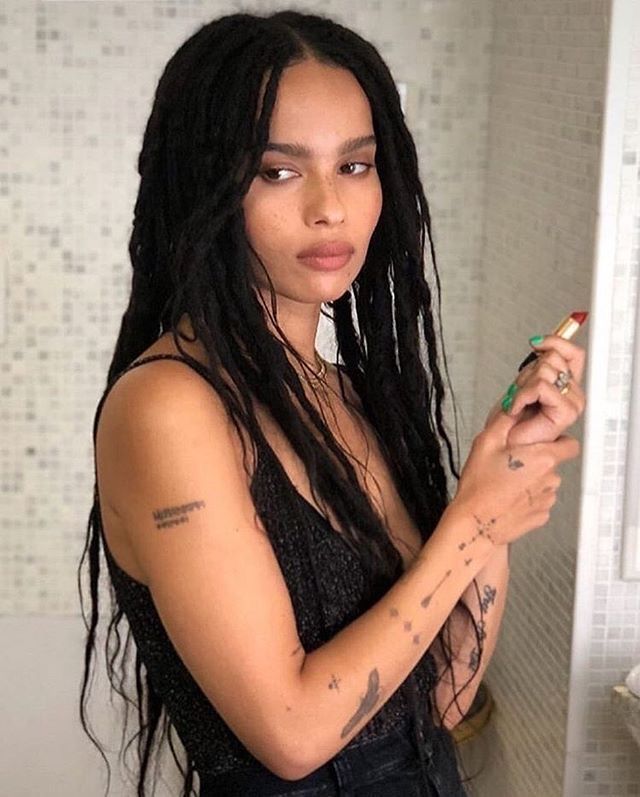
(514, 464)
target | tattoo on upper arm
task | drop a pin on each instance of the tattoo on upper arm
(473, 659)
(175, 515)
(367, 702)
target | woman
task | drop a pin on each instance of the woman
(313, 611)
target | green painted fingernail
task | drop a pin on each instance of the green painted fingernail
(507, 401)
(536, 340)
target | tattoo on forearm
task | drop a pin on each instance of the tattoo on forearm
(514, 464)
(175, 515)
(489, 597)
(483, 529)
(426, 601)
(366, 703)
(473, 659)
(481, 630)
(333, 684)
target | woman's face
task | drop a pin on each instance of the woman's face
(327, 194)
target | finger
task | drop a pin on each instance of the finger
(566, 447)
(574, 355)
(561, 408)
(551, 358)
(575, 395)
(556, 361)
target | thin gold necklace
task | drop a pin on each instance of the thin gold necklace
(321, 373)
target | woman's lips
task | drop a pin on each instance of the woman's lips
(327, 255)
(327, 263)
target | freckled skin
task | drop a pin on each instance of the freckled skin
(312, 200)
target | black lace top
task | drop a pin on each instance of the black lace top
(327, 589)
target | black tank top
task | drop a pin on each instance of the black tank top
(327, 588)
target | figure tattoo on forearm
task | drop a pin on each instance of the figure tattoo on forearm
(367, 702)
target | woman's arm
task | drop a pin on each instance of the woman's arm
(347, 680)
(542, 416)
(221, 595)
(492, 582)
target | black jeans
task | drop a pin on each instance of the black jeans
(385, 767)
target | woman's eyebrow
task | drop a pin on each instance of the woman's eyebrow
(300, 151)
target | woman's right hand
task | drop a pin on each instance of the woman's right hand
(516, 486)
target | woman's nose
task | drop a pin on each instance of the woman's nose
(324, 204)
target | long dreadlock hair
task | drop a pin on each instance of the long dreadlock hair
(201, 149)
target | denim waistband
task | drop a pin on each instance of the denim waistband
(355, 766)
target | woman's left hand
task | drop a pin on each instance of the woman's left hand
(543, 412)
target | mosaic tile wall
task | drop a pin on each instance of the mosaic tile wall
(548, 81)
(512, 184)
(608, 761)
(77, 79)
(79, 86)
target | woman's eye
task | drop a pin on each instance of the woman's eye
(276, 169)
(270, 175)
(368, 167)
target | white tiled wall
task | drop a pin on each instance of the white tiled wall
(547, 91)
(79, 88)
(77, 79)
(604, 760)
